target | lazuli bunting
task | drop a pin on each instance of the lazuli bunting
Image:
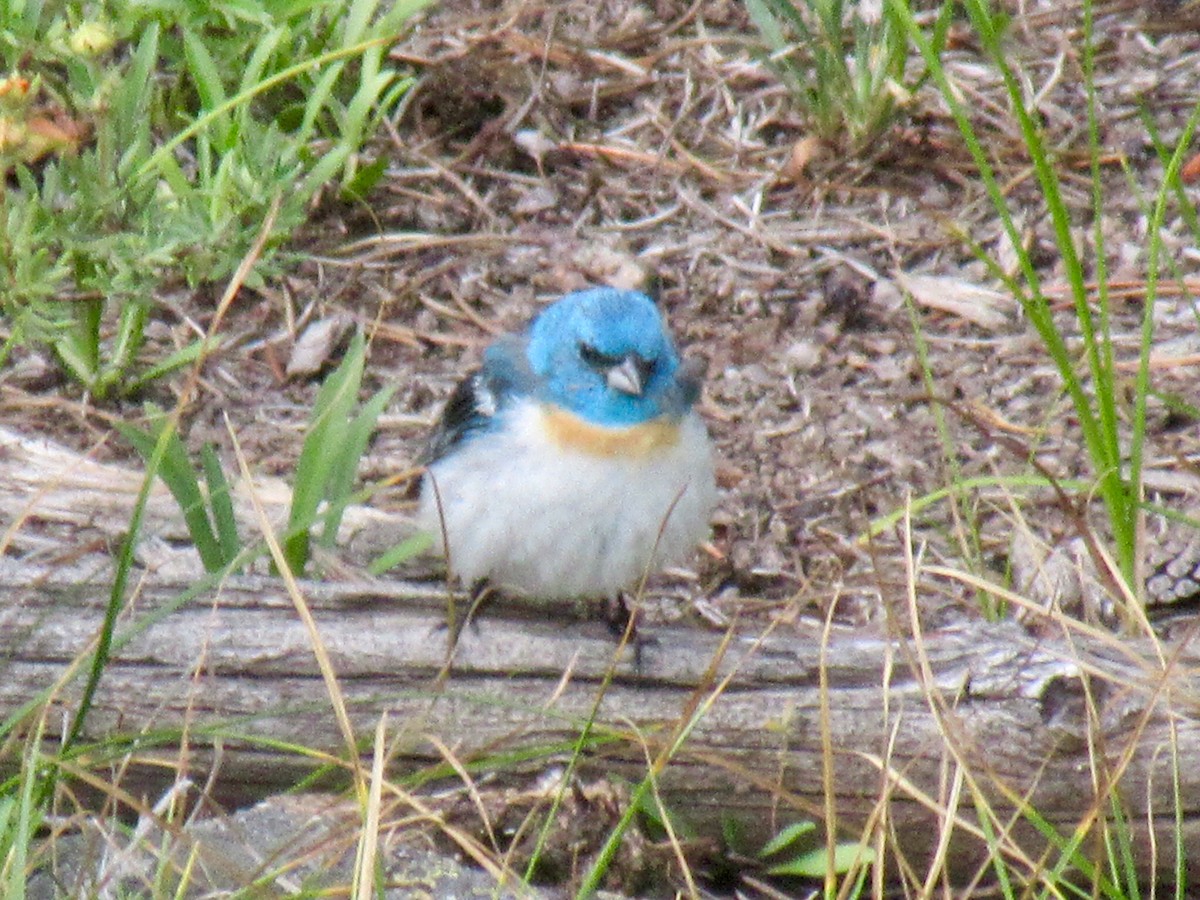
(572, 462)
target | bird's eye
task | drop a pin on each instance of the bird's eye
(596, 359)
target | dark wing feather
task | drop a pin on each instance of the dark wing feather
(481, 395)
(468, 410)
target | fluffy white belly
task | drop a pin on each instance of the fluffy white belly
(556, 522)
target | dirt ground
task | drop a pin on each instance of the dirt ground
(553, 146)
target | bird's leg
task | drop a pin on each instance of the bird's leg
(482, 591)
(459, 615)
(622, 620)
(462, 614)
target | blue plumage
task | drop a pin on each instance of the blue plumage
(575, 343)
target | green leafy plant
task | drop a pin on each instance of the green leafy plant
(337, 438)
(183, 124)
(338, 433)
(208, 514)
(790, 853)
(845, 65)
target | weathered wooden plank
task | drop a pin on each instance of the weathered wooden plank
(1044, 719)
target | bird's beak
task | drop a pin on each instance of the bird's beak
(626, 377)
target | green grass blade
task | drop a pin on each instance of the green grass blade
(21, 818)
(318, 455)
(1155, 230)
(816, 863)
(1100, 439)
(131, 102)
(209, 85)
(79, 348)
(763, 18)
(180, 359)
(787, 836)
(116, 597)
(348, 453)
(221, 503)
(131, 334)
(267, 45)
(180, 478)
(1104, 367)
(407, 549)
(1122, 867)
(356, 20)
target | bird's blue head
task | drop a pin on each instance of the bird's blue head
(605, 355)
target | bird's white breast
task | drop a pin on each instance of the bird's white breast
(557, 508)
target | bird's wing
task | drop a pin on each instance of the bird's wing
(468, 410)
(480, 395)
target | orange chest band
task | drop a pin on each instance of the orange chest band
(571, 432)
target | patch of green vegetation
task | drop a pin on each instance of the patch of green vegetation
(338, 432)
(142, 145)
(337, 439)
(845, 64)
(208, 514)
(790, 853)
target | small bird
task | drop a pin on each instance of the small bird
(572, 462)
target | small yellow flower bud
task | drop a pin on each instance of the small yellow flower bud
(91, 39)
